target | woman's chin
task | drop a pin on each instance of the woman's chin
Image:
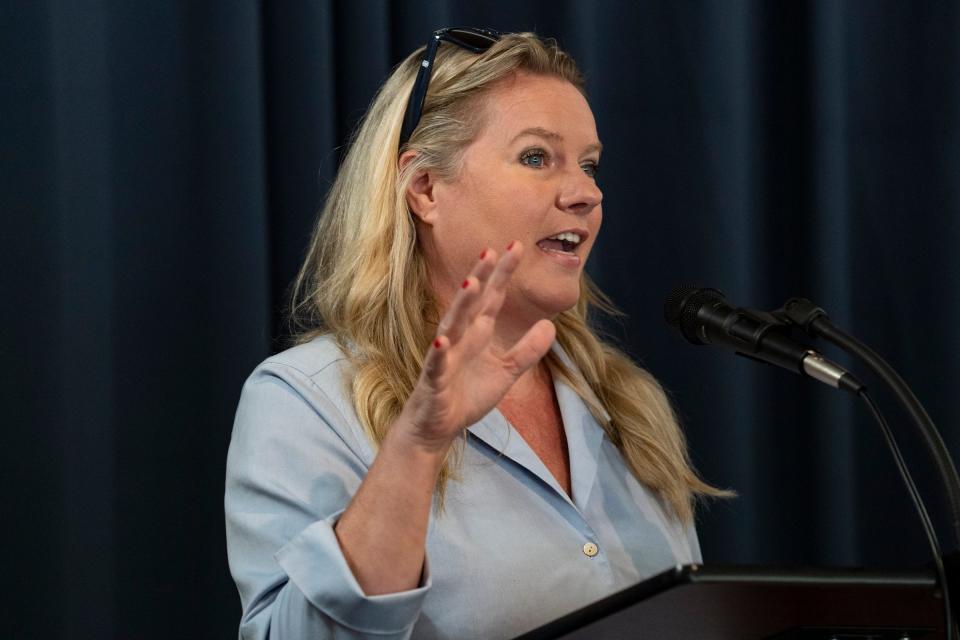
(552, 302)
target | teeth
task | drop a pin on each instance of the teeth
(566, 235)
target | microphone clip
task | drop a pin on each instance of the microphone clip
(802, 313)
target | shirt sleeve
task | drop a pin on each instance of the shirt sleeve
(292, 468)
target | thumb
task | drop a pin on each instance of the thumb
(531, 347)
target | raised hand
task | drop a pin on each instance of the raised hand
(383, 530)
(465, 375)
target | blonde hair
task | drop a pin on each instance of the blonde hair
(365, 281)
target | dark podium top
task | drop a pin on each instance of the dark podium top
(694, 602)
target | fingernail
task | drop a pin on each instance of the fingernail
(483, 254)
(466, 283)
(436, 343)
(510, 246)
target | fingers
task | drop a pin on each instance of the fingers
(463, 307)
(459, 316)
(435, 364)
(483, 291)
(497, 286)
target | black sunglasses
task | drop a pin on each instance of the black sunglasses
(472, 39)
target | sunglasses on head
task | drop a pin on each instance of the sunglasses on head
(472, 39)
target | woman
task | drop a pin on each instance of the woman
(450, 451)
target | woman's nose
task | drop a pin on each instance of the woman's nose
(580, 192)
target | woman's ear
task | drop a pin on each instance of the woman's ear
(419, 194)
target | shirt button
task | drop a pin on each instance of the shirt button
(590, 549)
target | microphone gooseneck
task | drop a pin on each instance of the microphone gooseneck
(817, 324)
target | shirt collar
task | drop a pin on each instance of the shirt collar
(584, 439)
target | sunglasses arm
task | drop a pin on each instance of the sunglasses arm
(419, 92)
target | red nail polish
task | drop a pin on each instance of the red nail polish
(436, 343)
(466, 283)
(483, 254)
(510, 246)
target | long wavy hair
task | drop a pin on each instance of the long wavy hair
(364, 280)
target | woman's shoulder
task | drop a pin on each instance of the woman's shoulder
(315, 359)
(296, 390)
(316, 371)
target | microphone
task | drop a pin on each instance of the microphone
(703, 316)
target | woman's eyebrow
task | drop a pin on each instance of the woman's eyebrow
(552, 135)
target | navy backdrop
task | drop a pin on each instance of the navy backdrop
(162, 163)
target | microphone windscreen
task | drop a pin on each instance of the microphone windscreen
(681, 307)
(673, 307)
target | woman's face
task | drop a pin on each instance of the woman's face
(528, 176)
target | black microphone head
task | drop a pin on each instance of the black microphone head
(681, 307)
(673, 307)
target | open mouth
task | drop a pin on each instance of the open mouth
(564, 242)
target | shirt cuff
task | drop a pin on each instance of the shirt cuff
(314, 563)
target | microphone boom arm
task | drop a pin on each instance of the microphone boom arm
(815, 322)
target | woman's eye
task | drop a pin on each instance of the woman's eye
(534, 158)
(591, 168)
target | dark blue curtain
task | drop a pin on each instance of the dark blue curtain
(162, 164)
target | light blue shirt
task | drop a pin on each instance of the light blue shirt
(511, 551)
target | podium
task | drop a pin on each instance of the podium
(694, 602)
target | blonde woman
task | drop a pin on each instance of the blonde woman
(450, 451)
